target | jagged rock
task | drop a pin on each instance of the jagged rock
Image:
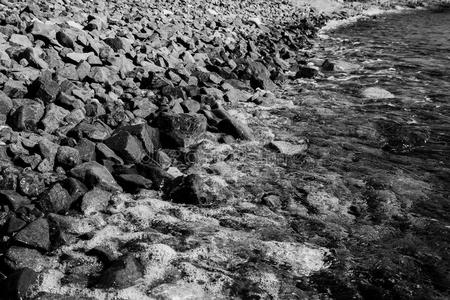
(126, 146)
(15, 89)
(86, 149)
(53, 117)
(57, 199)
(15, 224)
(188, 190)
(94, 201)
(67, 157)
(122, 273)
(27, 116)
(79, 57)
(21, 40)
(45, 88)
(35, 235)
(181, 130)
(13, 199)
(75, 188)
(17, 258)
(94, 174)
(134, 182)
(107, 153)
(232, 126)
(31, 184)
(148, 136)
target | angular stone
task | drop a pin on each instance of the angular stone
(48, 149)
(107, 153)
(133, 182)
(35, 235)
(55, 200)
(94, 201)
(17, 258)
(75, 188)
(54, 116)
(232, 126)
(86, 148)
(68, 71)
(45, 88)
(78, 57)
(44, 31)
(181, 130)
(83, 69)
(67, 157)
(126, 146)
(15, 89)
(94, 174)
(187, 190)
(21, 40)
(148, 136)
(115, 43)
(13, 199)
(122, 273)
(31, 184)
(27, 116)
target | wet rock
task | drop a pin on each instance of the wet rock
(18, 285)
(376, 93)
(126, 146)
(306, 72)
(232, 126)
(181, 130)
(67, 157)
(122, 273)
(57, 199)
(94, 174)
(17, 258)
(35, 235)
(27, 116)
(75, 188)
(289, 148)
(13, 199)
(133, 182)
(96, 200)
(188, 190)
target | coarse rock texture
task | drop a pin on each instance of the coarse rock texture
(166, 150)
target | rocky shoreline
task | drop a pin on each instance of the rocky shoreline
(150, 151)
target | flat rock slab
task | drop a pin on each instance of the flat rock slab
(288, 148)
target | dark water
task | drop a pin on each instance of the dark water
(400, 144)
(409, 55)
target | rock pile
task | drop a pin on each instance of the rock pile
(94, 94)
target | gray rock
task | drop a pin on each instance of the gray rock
(20, 40)
(289, 148)
(54, 116)
(18, 258)
(35, 235)
(67, 157)
(55, 200)
(18, 285)
(96, 200)
(94, 174)
(181, 130)
(122, 273)
(15, 89)
(126, 146)
(376, 93)
(27, 116)
(13, 199)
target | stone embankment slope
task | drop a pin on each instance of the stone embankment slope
(138, 153)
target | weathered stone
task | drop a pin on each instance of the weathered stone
(86, 148)
(27, 116)
(181, 130)
(56, 200)
(53, 117)
(15, 89)
(31, 184)
(35, 235)
(45, 88)
(126, 146)
(17, 258)
(21, 40)
(148, 136)
(76, 57)
(67, 157)
(122, 273)
(94, 174)
(13, 199)
(75, 188)
(376, 93)
(94, 201)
